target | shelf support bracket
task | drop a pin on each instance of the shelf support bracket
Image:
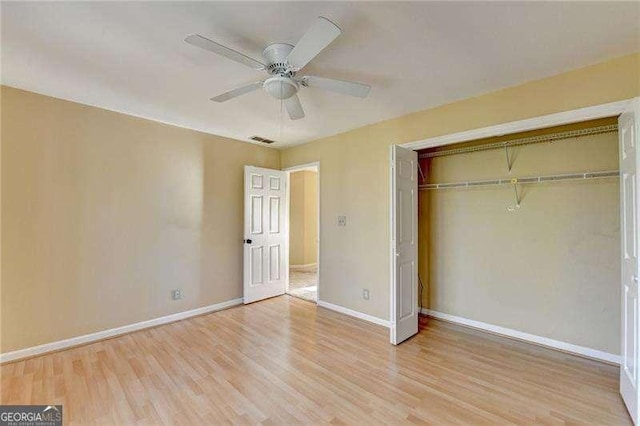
(506, 153)
(421, 173)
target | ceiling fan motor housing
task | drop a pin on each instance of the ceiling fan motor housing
(275, 57)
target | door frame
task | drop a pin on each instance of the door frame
(306, 166)
(535, 123)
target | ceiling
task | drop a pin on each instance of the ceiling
(130, 56)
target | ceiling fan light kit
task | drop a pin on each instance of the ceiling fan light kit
(281, 87)
(283, 61)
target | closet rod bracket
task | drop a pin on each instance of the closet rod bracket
(515, 207)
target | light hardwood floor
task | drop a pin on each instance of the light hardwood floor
(284, 360)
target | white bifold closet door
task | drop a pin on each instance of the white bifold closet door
(629, 135)
(265, 233)
(404, 250)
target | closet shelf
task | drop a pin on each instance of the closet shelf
(523, 180)
(610, 128)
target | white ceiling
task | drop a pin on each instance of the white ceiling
(130, 56)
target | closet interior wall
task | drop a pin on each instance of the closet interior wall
(549, 268)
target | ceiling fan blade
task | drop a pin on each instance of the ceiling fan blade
(212, 46)
(294, 108)
(319, 36)
(345, 87)
(237, 92)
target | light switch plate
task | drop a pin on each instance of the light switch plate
(342, 221)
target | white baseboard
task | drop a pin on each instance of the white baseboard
(353, 313)
(519, 335)
(306, 267)
(101, 335)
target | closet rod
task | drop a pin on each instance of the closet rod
(525, 180)
(610, 128)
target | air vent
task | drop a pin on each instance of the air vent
(261, 139)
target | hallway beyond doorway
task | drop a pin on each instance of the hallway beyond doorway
(303, 283)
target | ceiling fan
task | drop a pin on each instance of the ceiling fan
(283, 62)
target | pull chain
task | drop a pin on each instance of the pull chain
(281, 111)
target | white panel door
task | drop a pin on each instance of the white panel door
(404, 251)
(265, 233)
(628, 130)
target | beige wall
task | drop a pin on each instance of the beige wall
(103, 214)
(551, 268)
(355, 172)
(303, 218)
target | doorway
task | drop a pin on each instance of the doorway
(303, 224)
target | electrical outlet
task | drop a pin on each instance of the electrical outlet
(342, 221)
(365, 294)
(176, 294)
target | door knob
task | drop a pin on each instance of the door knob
(635, 278)
(248, 241)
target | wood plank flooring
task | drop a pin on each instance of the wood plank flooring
(284, 360)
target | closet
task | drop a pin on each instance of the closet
(522, 232)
